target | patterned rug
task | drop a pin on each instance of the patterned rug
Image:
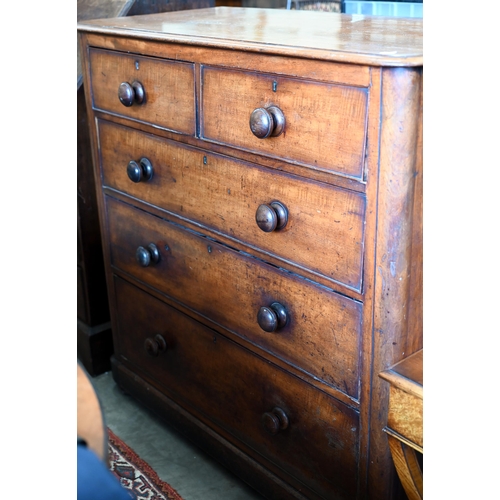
(135, 475)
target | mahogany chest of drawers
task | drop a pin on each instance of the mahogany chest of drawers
(259, 175)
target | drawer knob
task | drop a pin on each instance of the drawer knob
(271, 217)
(272, 318)
(148, 255)
(265, 122)
(128, 94)
(153, 346)
(275, 420)
(142, 171)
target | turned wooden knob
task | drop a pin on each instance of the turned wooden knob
(147, 255)
(153, 346)
(271, 217)
(131, 93)
(275, 420)
(140, 171)
(272, 318)
(267, 122)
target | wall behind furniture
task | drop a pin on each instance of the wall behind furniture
(269, 4)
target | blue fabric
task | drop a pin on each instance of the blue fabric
(95, 481)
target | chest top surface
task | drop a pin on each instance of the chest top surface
(373, 40)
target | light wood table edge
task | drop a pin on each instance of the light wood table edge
(403, 450)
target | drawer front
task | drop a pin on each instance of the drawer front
(324, 123)
(169, 95)
(406, 415)
(321, 335)
(325, 228)
(315, 439)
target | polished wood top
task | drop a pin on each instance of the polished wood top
(407, 375)
(374, 40)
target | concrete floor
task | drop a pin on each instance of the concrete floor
(193, 474)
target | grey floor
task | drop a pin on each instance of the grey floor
(193, 474)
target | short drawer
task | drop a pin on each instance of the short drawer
(324, 124)
(167, 87)
(406, 413)
(324, 230)
(304, 432)
(320, 334)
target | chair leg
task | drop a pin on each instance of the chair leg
(408, 468)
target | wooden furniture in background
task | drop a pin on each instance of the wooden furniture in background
(94, 339)
(260, 202)
(405, 421)
(140, 7)
(323, 6)
(228, 3)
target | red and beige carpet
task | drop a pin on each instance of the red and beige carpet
(135, 475)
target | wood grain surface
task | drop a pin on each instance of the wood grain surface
(207, 371)
(347, 267)
(229, 288)
(373, 40)
(324, 123)
(168, 86)
(324, 232)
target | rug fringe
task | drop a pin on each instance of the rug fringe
(139, 464)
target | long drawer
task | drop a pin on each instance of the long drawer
(168, 90)
(324, 230)
(320, 125)
(306, 433)
(315, 329)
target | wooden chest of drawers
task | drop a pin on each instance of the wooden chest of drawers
(260, 192)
